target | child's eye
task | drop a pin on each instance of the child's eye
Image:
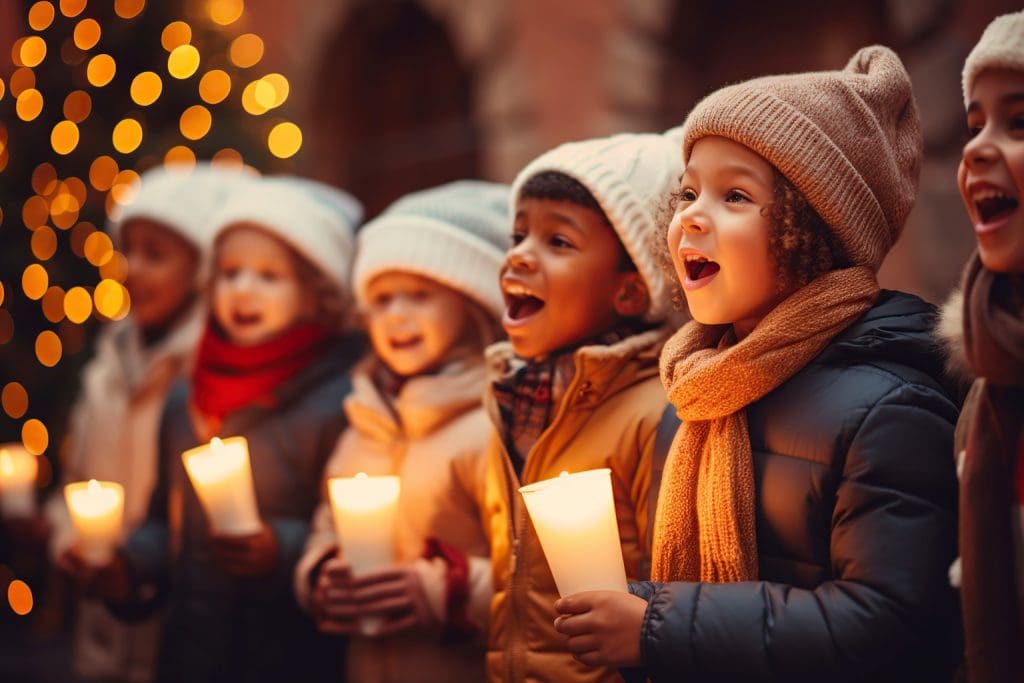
(419, 295)
(229, 272)
(518, 237)
(268, 276)
(380, 301)
(687, 194)
(561, 242)
(736, 196)
(1017, 122)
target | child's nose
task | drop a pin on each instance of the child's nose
(980, 149)
(692, 219)
(521, 257)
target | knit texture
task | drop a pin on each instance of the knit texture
(455, 234)
(704, 527)
(1001, 47)
(316, 220)
(631, 176)
(849, 140)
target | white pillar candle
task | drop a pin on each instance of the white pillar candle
(574, 515)
(365, 519)
(97, 509)
(222, 478)
(18, 470)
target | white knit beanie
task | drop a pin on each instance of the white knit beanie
(456, 234)
(631, 175)
(315, 219)
(181, 197)
(1001, 47)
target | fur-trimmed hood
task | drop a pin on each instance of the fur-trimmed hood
(949, 331)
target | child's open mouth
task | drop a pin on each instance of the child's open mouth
(520, 302)
(405, 343)
(245, 319)
(993, 205)
(699, 268)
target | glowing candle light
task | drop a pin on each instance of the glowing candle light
(97, 510)
(574, 515)
(222, 477)
(18, 470)
(365, 517)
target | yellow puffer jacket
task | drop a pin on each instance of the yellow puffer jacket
(607, 417)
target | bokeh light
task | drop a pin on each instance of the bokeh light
(195, 122)
(48, 347)
(44, 243)
(15, 400)
(2, 88)
(225, 12)
(174, 34)
(101, 70)
(129, 9)
(146, 88)
(102, 172)
(127, 136)
(214, 86)
(78, 304)
(72, 8)
(87, 34)
(41, 15)
(34, 436)
(64, 137)
(29, 104)
(53, 304)
(246, 50)
(280, 85)
(6, 326)
(180, 154)
(32, 51)
(251, 103)
(34, 212)
(79, 234)
(111, 299)
(116, 268)
(19, 597)
(34, 281)
(98, 248)
(44, 179)
(21, 80)
(77, 106)
(183, 61)
(284, 140)
(227, 158)
(125, 187)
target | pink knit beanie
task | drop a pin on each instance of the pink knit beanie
(849, 140)
(1001, 47)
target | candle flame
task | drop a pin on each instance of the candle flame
(215, 442)
(564, 474)
(94, 487)
(361, 475)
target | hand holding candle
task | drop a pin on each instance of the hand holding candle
(97, 509)
(18, 470)
(222, 478)
(574, 515)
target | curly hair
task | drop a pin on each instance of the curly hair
(801, 244)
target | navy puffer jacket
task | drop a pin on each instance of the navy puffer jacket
(856, 525)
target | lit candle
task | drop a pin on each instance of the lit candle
(18, 469)
(222, 478)
(365, 518)
(574, 515)
(97, 508)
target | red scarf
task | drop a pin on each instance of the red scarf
(228, 377)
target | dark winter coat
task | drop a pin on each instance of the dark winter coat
(856, 525)
(221, 628)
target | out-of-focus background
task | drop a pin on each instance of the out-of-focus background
(380, 97)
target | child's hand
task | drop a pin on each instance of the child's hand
(107, 582)
(247, 557)
(395, 594)
(333, 606)
(603, 627)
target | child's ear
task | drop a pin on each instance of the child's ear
(631, 298)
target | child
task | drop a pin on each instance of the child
(576, 387)
(272, 367)
(165, 238)
(990, 439)
(807, 510)
(426, 279)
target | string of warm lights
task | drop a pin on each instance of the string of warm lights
(59, 200)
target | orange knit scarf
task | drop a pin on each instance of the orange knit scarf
(704, 527)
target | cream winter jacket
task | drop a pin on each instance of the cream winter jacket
(608, 417)
(433, 435)
(113, 436)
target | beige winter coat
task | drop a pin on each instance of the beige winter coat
(433, 436)
(607, 418)
(113, 436)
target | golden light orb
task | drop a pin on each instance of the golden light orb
(15, 400)
(33, 51)
(34, 281)
(125, 187)
(98, 248)
(127, 136)
(34, 212)
(44, 243)
(129, 9)
(77, 106)
(102, 172)
(146, 88)
(227, 158)
(53, 304)
(280, 85)
(116, 268)
(72, 8)
(41, 15)
(87, 34)
(110, 298)
(195, 122)
(19, 597)
(29, 104)
(250, 103)
(21, 80)
(100, 70)
(180, 154)
(78, 304)
(284, 140)
(225, 12)
(214, 86)
(183, 61)
(246, 50)
(174, 34)
(34, 436)
(48, 347)
(64, 137)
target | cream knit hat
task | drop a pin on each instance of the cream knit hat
(849, 140)
(631, 175)
(455, 234)
(182, 197)
(1001, 47)
(315, 219)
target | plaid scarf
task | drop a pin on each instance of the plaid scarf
(528, 390)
